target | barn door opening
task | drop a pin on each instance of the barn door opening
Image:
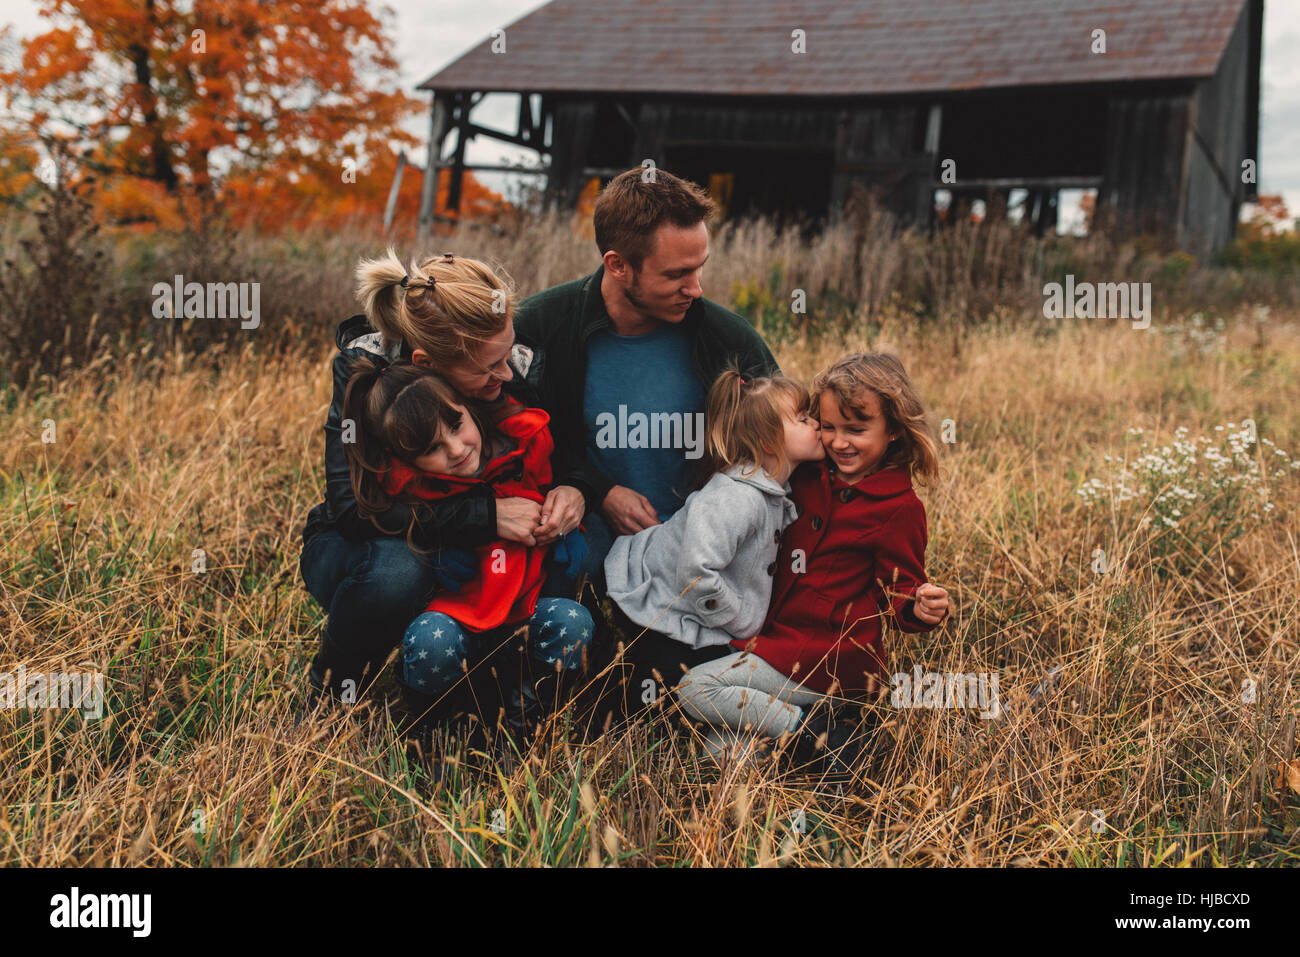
(789, 184)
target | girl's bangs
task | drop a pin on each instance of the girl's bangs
(411, 429)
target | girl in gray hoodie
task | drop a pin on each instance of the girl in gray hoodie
(704, 577)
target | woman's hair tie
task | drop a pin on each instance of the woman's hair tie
(429, 282)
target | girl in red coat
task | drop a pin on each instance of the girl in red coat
(854, 557)
(417, 439)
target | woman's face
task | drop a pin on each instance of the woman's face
(481, 376)
(456, 450)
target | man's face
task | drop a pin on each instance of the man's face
(669, 278)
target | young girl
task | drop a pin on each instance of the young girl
(418, 440)
(704, 577)
(855, 556)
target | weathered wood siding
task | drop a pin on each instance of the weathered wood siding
(1214, 190)
(1146, 140)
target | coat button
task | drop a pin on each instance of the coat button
(711, 604)
(776, 536)
(817, 523)
(847, 493)
(771, 569)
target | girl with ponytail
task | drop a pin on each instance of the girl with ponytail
(853, 560)
(690, 586)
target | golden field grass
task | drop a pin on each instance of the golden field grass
(1141, 751)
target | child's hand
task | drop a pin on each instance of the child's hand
(930, 604)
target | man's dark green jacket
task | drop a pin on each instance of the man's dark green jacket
(552, 329)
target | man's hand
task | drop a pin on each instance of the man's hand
(561, 513)
(628, 511)
(930, 604)
(517, 520)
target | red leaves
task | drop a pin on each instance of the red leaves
(241, 99)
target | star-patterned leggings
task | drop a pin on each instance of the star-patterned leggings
(435, 645)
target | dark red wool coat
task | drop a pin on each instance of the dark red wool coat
(855, 555)
(510, 574)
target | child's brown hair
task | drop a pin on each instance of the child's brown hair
(858, 373)
(397, 411)
(745, 421)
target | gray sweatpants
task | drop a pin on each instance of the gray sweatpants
(743, 692)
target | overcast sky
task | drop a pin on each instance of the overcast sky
(430, 35)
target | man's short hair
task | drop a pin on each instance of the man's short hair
(629, 211)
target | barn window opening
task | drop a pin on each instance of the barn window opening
(1078, 206)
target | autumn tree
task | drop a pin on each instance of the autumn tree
(1270, 217)
(273, 110)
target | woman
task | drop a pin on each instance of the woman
(455, 316)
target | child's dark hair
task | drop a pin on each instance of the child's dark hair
(853, 376)
(397, 411)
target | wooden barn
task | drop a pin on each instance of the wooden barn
(781, 106)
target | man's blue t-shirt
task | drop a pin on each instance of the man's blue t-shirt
(643, 411)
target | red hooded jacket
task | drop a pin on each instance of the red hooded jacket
(511, 574)
(855, 554)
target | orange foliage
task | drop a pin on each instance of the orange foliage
(585, 209)
(18, 162)
(272, 113)
(1088, 209)
(1271, 217)
(267, 204)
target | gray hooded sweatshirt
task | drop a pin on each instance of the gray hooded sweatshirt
(704, 576)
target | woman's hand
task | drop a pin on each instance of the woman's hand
(628, 511)
(930, 604)
(517, 520)
(561, 513)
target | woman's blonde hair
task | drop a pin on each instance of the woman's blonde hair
(746, 420)
(852, 377)
(447, 306)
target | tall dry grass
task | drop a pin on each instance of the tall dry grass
(1139, 750)
(858, 270)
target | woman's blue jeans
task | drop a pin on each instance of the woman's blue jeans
(372, 589)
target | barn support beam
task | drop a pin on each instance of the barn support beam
(923, 202)
(391, 206)
(433, 165)
(463, 133)
(573, 126)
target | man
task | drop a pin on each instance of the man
(623, 360)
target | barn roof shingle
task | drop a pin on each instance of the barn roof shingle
(854, 47)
